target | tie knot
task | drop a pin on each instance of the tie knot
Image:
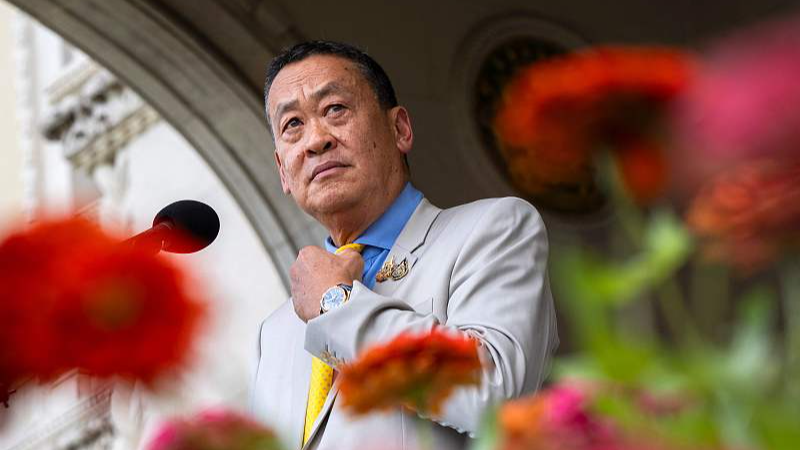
(353, 246)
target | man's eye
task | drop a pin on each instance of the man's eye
(335, 108)
(292, 123)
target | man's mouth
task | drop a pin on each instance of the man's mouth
(325, 167)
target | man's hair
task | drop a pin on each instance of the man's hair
(372, 71)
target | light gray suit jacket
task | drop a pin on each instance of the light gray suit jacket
(480, 268)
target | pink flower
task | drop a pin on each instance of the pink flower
(567, 417)
(557, 418)
(738, 135)
(166, 436)
(743, 102)
(214, 429)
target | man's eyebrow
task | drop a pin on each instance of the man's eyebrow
(283, 107)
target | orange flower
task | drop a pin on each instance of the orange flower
(415, 371)
(749, 215)
(74, 297)
(557, 113)
(521, 423)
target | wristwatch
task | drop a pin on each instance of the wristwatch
(334, 297)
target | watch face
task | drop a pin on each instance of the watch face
(332, 298)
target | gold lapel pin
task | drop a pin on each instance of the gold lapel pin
(386, 270)
(400, 270)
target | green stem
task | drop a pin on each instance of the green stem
(670, 297)
(628, 216)
(790, 295)
(710, 286)
(678, 318)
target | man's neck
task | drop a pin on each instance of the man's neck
(344, 227)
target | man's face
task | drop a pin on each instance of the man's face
(334, 145)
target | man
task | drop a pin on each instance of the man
(480, 269)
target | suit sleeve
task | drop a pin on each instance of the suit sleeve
(499, 293)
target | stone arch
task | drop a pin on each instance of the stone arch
(201, 94)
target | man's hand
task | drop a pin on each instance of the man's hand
(314, 271)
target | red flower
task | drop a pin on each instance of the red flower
(558, 113)
(74, 297)
(34, 265)
(749, 215)
(214, 430)
(131, 317)
(643, 169)
(415, 371)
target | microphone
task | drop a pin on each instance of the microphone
(185, 226)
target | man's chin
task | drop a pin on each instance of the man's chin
(331, 201)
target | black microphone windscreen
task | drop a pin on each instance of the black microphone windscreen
(198, 221)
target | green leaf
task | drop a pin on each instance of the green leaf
(593, 279)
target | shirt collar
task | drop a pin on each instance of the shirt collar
(384, 231)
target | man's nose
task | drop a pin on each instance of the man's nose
(320, 139)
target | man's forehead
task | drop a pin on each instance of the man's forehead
(318, 72)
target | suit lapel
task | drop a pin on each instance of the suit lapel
(407, 247)
(409, 244)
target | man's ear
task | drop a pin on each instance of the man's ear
(401, 125)
(282, 174)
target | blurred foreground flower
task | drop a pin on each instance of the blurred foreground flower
(214, 430)
(744, 100)
(739, 146)
(574, 415)
(33, 265)
(73, 297)
(557, 114)
(415, 371)
(749, 215)
(557, 418)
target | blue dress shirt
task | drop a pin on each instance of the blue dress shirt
(379, 237)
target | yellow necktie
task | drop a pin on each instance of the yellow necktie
(321, 377)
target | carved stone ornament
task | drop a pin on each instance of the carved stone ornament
(93, 116)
